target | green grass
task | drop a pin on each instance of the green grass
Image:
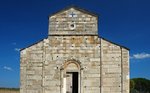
(15, 89)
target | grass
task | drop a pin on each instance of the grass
(9, 90)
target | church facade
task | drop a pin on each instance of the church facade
(74, 59)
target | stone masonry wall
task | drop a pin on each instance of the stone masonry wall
(125, 71)
(59, 24)
(114, 68)
(104, 65)
(41, 63)
(31, 69)
(86, 49)
(111, 67)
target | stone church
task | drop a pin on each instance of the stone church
(74, 59)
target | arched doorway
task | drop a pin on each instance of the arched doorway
(71, 77)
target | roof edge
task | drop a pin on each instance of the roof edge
(32, 44)
(77, 8)
(114, 43)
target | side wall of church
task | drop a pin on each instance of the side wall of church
(125, 70)
(114, 68)
(31, 69)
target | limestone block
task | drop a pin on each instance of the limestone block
(32, 72)
(91, 75)
(36, 77)
(94, 59)
(51, 83)
(92, 82)
(92, 71)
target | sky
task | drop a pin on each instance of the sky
(24, 22)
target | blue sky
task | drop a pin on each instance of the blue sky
(24, 22)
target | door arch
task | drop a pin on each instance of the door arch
(70, 76)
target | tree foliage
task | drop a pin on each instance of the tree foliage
(139, 85)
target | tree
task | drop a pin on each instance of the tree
(139, 85)
(132, 84)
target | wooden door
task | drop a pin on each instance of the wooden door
(69, 83)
